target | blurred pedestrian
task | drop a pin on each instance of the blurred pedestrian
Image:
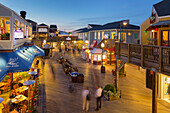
(86, 98)
(98, 96)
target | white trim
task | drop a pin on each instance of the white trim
(164, 16)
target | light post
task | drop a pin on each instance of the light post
(124, 24)
(102, 67)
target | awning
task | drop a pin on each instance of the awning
(97, 51)
(35, 50)
(158, 24)
(17, 61)
(3, 68)
(94, 43)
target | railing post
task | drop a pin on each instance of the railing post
(128, 52)
(160, 59)
(142, 56)
(118, 51)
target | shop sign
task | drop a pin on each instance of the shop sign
(19, 34)
(42, 30)
(68, 38)
(13, 62)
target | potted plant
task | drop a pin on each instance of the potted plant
(5, 36)
(110, 92)
(151, 40)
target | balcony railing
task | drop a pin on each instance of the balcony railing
(146, 56)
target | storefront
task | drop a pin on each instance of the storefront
(164, 87)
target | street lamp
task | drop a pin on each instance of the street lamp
(124, 24)
(102, 67)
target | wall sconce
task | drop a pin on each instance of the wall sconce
(129, 34)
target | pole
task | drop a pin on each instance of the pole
(116, 75)
(28, 99)
(102, 57)
(154, 93)
(120, 31)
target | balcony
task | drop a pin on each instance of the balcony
(146, 56)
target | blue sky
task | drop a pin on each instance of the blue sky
(74, 14)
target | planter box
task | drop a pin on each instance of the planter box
(111, 98)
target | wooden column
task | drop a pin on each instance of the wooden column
(154, 93)
(142, 57)
(160, 59)
(128, 53)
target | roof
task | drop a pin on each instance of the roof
(94, 25)
(163, 8)
(53, 26)
(158, 24)
(42, 24)
(31, 21)
(116, 25)
(112, 25)
(96, 51)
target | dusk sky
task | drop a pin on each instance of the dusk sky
(75, 14)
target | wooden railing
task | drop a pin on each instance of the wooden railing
(146, 56)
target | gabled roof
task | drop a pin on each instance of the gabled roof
(53, 26)
(42, 24)
(81, 30)
(30, 21)
(94, 25)
(116, 25)
(163, 8)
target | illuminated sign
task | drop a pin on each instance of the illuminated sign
(19, 34)
(68, 38)
(42, 30)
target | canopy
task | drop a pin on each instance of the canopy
(93, 44)
(3, 68)
(37, 51)
(97, 51)
(158, 24)
(16, 61)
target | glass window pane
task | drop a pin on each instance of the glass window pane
(4, 28)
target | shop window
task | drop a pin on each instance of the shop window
(99, 35)
(99, 58)
(102, 35)
(112, 35)
(94, 35)
(165, 38)
(166, 88)
(95, 57)
(4, 28)
(123, 37)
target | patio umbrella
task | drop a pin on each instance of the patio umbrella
(28, 82)
(32, 73)
(1, 99)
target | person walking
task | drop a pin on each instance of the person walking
(86, 98)
(98, 96)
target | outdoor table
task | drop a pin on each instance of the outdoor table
(14, 111)
(22, 81)
(32, 73)
(2, 84)
(22, 89)
(18, 99)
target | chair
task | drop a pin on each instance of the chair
(5, 110)
(15, 86)
(24, 109)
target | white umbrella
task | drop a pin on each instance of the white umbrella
(32, 73)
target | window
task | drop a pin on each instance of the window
(94, 35)
(113, 35)
(102, 35)
(165, 38)
(99, 35)
(123, 37)
(4, 28)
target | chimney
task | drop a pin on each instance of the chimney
(23, 14)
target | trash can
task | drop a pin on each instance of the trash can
(74, 79)
(80, 78)
(102, 69)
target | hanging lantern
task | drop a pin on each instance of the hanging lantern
(151, 72)
(156, 29)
